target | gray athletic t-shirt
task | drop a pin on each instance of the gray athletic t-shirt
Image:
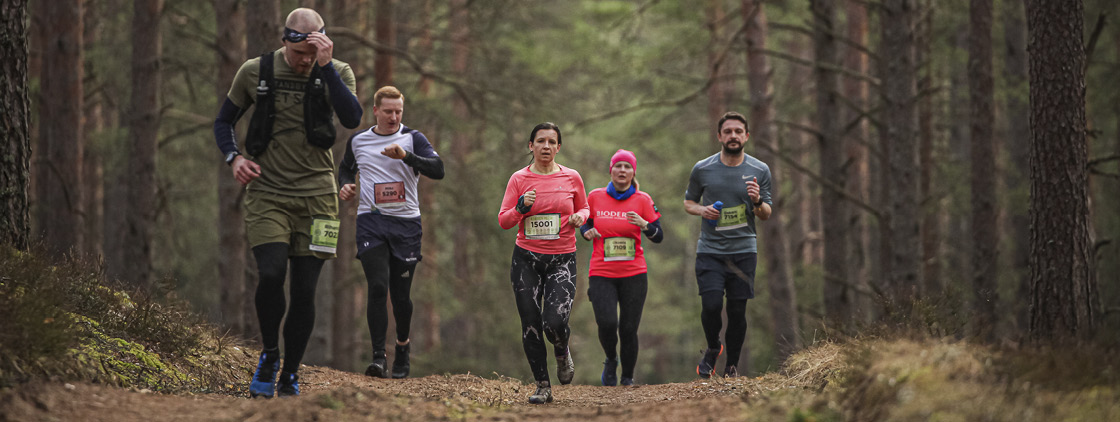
(712, 181)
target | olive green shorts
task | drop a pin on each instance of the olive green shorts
(271, 218)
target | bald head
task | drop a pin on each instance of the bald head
(304, 20)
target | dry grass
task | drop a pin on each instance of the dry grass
(64, 320)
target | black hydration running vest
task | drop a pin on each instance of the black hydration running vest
(318, 115)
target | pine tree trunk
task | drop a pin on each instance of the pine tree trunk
(1017, 176)
(386, 32)
(857, 158)
(232, 243)
(932, 284)
(143, 127)
(900, 120)
(717, 103)
(15, 150)
(1064, 295)
(342, 331)
(93, 124)
(837, 294)
(775, 246)
(58, 158)
(263, 26)
(984, 237)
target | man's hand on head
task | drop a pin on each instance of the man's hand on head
(324, 47)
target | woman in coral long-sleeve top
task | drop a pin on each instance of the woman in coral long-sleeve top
(547, 203)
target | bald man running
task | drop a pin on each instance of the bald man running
(291, 200)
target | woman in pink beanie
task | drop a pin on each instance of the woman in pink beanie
(620, 213)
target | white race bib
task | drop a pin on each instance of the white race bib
(542, 226)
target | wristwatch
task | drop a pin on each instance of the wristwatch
(231, 156)
(759, 203)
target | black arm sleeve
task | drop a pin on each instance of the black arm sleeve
(428, 166)
(345, 104)
(227, 118)
(587, 225)
(653, 231)
(348, 170)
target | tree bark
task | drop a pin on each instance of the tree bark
(1017, 144)
(386, 33)
(900, 120)
(1064, 295)
(263, 28)
(783, 296)
(983, 197)
(232, 243)
(93, 123)
(837, 282)
(143, 127)
(931, 209)
(15, 150)
(717, 102)
(856, 161)
(58, 161)
(346, 283)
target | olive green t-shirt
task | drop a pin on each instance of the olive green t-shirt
(290, 166)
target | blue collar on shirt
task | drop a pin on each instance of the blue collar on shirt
(620, 196)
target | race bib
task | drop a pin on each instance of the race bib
(619, 249)
(542, 226)
(324, 235)
(389, 195)
(732, 217)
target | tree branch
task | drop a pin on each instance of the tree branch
(1102, 160)
(820, 180)
(811, 63)
(1092, 45)
(412, 61)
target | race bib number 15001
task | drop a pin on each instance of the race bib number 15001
(542, 226)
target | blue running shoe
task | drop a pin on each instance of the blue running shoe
(264, 380)
(609, 377)
(288, 385)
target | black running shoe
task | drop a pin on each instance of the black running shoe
(288, 385)
(565, 368)
(264, 379)
(609, 377)
(626, 381)
(543, 394)
(731, 371)
(400, 361)
(377, 368)
(707, 364)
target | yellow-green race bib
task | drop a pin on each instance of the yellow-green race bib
(619, 249)
(324, 235)
(732, 217)
(542, 226)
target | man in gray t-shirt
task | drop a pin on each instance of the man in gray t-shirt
(728, 189)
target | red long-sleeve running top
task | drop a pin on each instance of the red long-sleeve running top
(559, 195)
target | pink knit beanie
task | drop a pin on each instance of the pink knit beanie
(627, 156)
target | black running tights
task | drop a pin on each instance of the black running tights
(272, 266)
(712, 320)
(544, 286)
(618, 304)
(387, 276)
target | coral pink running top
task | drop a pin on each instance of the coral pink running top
(545, 228)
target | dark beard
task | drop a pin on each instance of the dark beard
(735, 151)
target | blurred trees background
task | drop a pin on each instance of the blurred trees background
(913, 205)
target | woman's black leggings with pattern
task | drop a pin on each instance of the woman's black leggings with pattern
(544, 286)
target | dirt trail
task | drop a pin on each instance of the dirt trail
(330, 395)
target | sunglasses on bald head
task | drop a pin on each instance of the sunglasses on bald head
(292, 35)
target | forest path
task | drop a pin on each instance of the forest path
(329, 395)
